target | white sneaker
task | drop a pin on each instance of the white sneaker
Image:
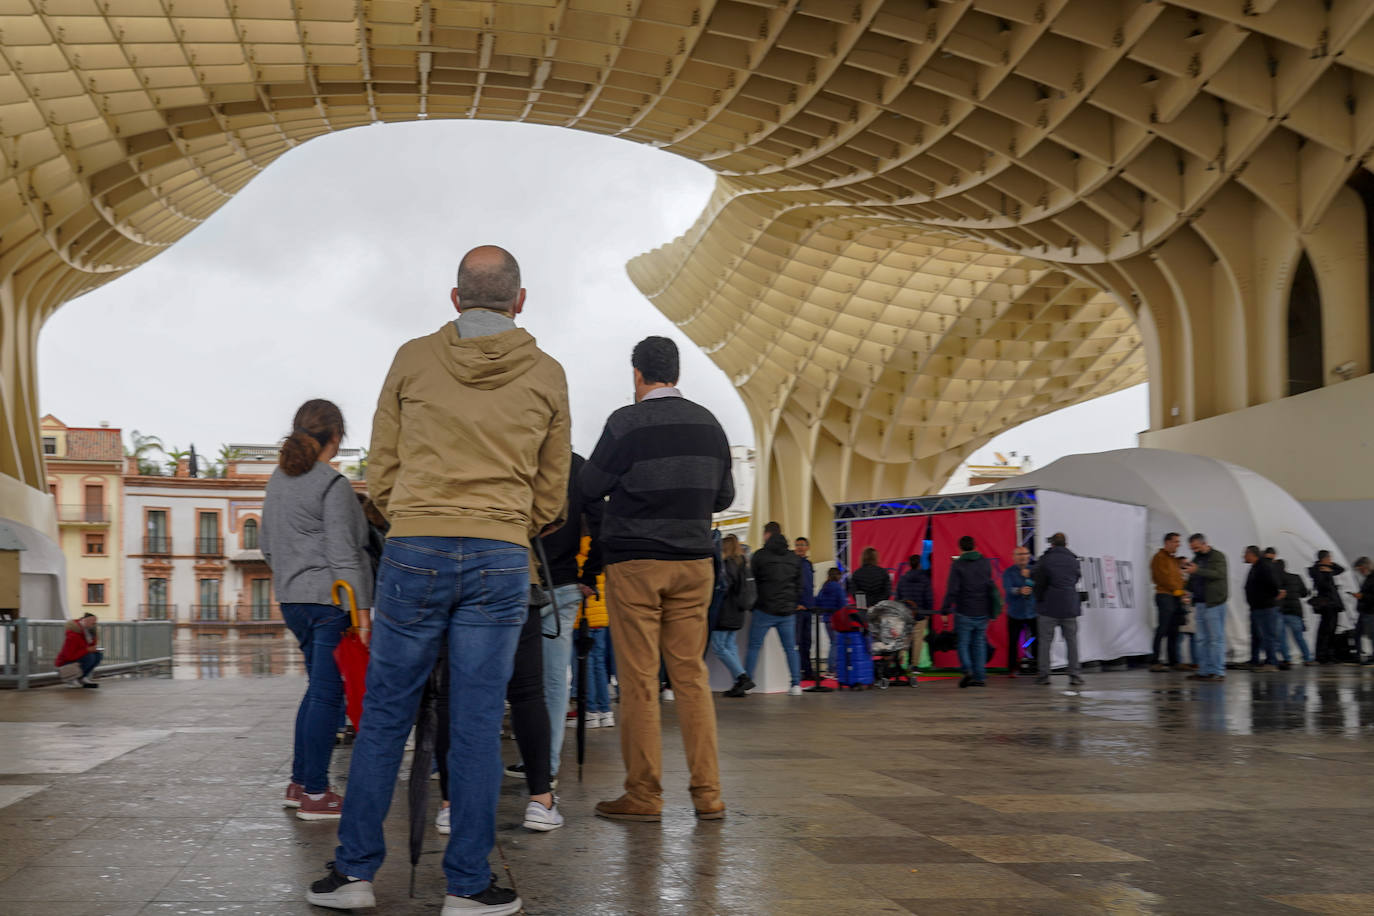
(794, 691)
(542, 819)
(441, 822)
(340, 893)
(667, 695)
(593, 720)
(608, 720)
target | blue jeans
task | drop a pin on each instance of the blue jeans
(598, 680)
(972, 636)
(90, 660)
(760, 622)
(725, 644)
(318, 628)
(1291, 624)
(1266, 621)
(1211, 638)
(474, 593)
(557, 658)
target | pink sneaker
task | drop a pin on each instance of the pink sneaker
(294, 793)
(329, 808)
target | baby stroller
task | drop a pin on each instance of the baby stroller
(890, 624)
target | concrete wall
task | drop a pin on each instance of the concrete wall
(1318, 446)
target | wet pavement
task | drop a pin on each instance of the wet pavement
(1140, 794)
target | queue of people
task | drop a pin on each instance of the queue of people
(1199, 586)
(470, 464)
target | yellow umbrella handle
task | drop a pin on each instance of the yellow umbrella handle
(352, 599)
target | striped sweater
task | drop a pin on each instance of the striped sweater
(665, 464)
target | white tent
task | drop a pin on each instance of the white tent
(1231, 505)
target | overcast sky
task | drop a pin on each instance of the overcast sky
(306, 283)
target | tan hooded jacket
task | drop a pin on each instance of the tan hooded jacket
(471, 438)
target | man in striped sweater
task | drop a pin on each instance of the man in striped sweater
(665, 464)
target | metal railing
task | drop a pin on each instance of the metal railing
(157, 612)
(158, 543)
(207, 612)
(257, 613)
(209, 547)
(29, 647)
(84, 514)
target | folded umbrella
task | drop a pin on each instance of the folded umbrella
(422, 762)
(351, 655)
(582, 642)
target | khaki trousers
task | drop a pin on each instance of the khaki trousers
(658, 609)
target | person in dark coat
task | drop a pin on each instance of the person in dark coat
(1263, 591)
(1291, 622)
(736, 595)
(1326, 603)
(969, 594)
(870, 580)
(805, 622)
(1057, 605)
(1364, 605)
(915, 591)
(777, 575)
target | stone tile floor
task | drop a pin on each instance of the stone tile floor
(1140, 794)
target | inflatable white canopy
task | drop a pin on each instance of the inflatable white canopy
(1231, 505)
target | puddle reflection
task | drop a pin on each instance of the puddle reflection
(205, 659)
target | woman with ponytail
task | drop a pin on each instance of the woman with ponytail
(313, 533)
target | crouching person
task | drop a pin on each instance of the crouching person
(80, 653)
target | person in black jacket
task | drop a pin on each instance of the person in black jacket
(1057, 605)
(805, 619)
(1326, 603)
(1364, 605)
(778, 578)
(1290, 608)
(870, 580)
(969, 593)
(736, 596)
(1263, 591)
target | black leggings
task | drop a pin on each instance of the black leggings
(529, 717)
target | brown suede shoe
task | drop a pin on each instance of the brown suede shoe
(623, 809)
(712, 814)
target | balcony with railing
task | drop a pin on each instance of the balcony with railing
(83, 514)
(159, 544)
(210, 547)
(157, 611)
(257, 612)
(208, 612)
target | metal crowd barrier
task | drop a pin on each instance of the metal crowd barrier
(28, 647)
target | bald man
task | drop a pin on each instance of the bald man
(469, 461)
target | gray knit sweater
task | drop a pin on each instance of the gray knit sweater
(313, 532)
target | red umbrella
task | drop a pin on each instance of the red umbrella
(351, 656)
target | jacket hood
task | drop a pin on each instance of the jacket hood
(776, 544)
(485, 362)
(971, 555)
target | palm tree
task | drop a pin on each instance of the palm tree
(144, 446)
(220, 467)
(174, 457)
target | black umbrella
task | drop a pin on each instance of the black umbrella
(422, 762)
(582, 642)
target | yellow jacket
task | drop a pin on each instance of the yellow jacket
(471, 438)
(595, 607)
(1168, 578)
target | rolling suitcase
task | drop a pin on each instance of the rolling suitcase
(853, 661)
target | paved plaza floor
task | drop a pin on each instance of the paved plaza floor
(1140, 794)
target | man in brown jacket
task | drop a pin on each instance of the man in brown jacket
(469, 461)
(1168, 579)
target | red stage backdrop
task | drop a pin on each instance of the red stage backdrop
(895, 538)
(994, 531)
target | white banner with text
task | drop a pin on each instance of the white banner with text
(1109, 538)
